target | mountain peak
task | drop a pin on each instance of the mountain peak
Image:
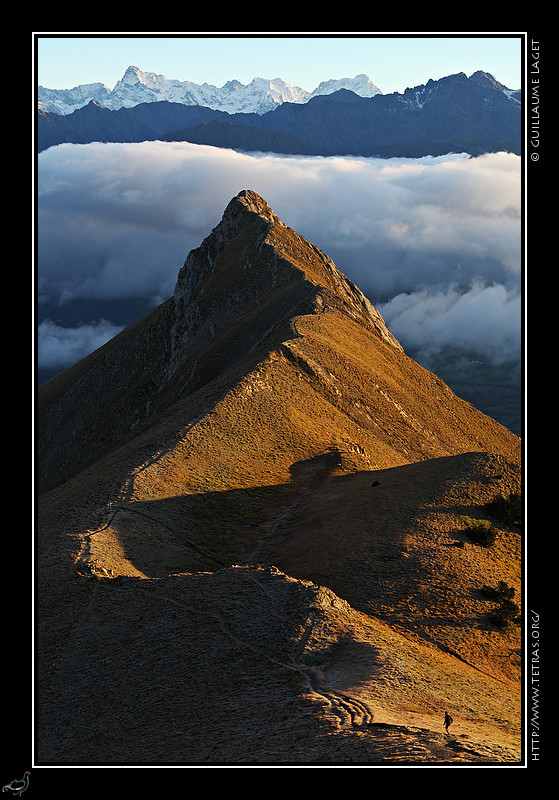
(251, 201)
(360, 85)
(486, 80)
(132, 73)
(252, 266)
(258, 305)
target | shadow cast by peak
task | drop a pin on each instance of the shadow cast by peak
(355, 533)
(318, 467)
(214, 529)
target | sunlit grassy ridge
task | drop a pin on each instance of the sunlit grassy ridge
(267, 514)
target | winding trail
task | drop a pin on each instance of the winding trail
(123, 502)
(347, 711)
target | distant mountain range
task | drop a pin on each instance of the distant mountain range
(457, 113)
(135, 87)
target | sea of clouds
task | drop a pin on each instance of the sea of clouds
(435, 243)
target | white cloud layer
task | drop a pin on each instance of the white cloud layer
(58, 346)
(482, 320)
(434, 242)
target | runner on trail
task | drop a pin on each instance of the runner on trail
(447, 721)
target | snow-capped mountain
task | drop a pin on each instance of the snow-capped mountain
(65, 101)
(135, 86)
(361, 85)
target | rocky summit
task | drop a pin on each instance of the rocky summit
(268, 536)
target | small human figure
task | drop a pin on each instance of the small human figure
(447, 721)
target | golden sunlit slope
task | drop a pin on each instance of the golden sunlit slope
(265, 416)
(247, 665)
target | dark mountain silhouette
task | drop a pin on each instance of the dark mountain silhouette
(144, 122)
(260, 532)
(453, 114)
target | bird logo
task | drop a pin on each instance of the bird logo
(17, 787)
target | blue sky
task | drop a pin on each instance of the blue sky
(392, 62)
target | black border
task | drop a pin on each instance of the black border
(18, 748)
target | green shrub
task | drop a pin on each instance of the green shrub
(498, 593)
(481, 532)
(505, 613)
(504, 591)
(507, 509)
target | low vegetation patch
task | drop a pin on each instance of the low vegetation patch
(507, 509)
(498, 593)
(507, 611)
(480, 531)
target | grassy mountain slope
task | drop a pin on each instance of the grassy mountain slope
(265, 417)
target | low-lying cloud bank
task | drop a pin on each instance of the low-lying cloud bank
(484, 320)
(434, 242)
(57, 346)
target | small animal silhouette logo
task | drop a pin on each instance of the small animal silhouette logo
(17, 787)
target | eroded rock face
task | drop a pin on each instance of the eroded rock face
(245, 209)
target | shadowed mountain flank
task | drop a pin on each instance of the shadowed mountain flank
(255, 522)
